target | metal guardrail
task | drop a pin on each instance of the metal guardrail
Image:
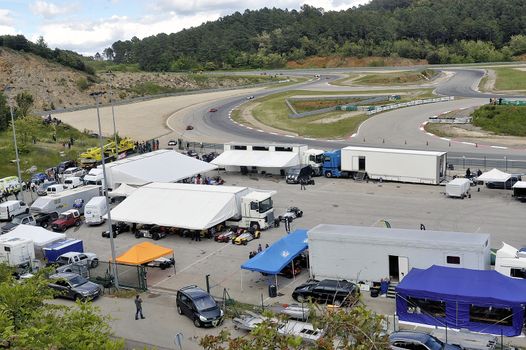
(484, 163)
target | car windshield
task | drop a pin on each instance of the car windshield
(265, 205)
(294, 171)
(77, 281)
(17, 220)
(63, 216)
(205, 303)
(62, 260)
(434, 344)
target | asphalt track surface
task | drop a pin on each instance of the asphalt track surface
(396, 129)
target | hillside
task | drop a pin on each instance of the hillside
(438, 31)
(55, 86)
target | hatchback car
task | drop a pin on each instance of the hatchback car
(417, 340)
(74, 286)
(327, 292)
(199, 306)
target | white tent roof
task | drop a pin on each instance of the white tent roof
(40, 236)
(262, 159)
(194, 207)
(494, 175)
(123, 190)
(519, 184)
(157, 166)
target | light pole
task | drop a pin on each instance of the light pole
(110, 73)
(96, 95)
(6, 89)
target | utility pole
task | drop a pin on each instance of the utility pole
(110, 73)
(96, 95)
(10, 101)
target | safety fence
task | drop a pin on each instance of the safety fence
(409, 104)
(129, 276)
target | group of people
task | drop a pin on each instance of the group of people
(205, 180)
(469, 174)
(147, 146)
(8, 192)
(254, 253)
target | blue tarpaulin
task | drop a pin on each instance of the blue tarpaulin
(273, 259)
(479, 300)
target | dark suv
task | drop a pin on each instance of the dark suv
(327, 292)
(73, 286)
(199, 306)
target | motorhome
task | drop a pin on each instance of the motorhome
(68, 199)
(95, 210)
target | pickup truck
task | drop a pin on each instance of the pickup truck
(42, 219)
(66, 220)
(89, 259)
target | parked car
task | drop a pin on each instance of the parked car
(117, 229)
(209, 157)
(73, 182)
(227, 235)
(291, 214)
(192, 153)
(40, 219)
(172, 143)
(42, 189)
(88, 259)
(154, 232)
(213, 110)
(250, 97)
(54, 189)
(189, 127)
(66, 220)
(73, 286)
(504, 185)
(162, 263)
(39, 178)
(74, 171)
(417, 340)
(327, 292)
(246, 237)
(10, 209)
(199, 306)
(61, 167)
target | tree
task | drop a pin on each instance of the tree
(24, 101)
(27, 321)
(354, 328)
(5, 115)
(108, 53)
(41, 43)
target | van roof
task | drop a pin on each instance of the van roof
(5, 204)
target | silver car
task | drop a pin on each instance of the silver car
(409, 340)
(74, 286)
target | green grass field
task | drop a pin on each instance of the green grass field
(502, 120)
(510, 79)
(398, 78)
(45, 153)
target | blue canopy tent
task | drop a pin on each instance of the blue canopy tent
(479, 300)
(273, 259)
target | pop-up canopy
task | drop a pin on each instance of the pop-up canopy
(494, 175)
(143, 253)
(259, 159)
(40, 236)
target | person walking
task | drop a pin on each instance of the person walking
(302, 184)
(138, 307)
(260, 248)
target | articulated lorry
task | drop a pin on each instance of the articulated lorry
(428, 167)
(65, 200)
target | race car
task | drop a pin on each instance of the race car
(291, 214)
(117, 228)
(162, 263)
(227, 235)
(151, 231)
(246, 237)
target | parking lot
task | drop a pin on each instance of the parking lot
(336, 201)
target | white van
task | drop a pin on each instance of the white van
(53, 189)
(94, 177)
(10, 209)
(73, 182)
(95, 210)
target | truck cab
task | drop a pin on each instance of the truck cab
(314, 158)
(257, 211)
(332, 164)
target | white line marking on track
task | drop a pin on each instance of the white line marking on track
(259, 130)
(445, 139)
(499, 147)
(468, 143)
(430, 134)
(289, 135)
(248, 127)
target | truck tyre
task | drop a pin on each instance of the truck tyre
(328, 174)
(155, 236)
(255, 226)
(94, 263)
(27, 211)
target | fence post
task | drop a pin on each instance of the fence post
(464, 161)
(506, 163)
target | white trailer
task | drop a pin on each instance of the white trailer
(95, 210)
(373, 253)
(458, 187)
(273, 158)
(400, 165)
(65, 200)
(16, 251)
(511, 262)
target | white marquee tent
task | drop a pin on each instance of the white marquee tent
(39, 235)
(123, 190)
(259, 159)
(194, 207)
(494, 175)
(157, 166)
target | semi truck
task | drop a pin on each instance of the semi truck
(65, 200)
(314, 158)
(255, 210)
(414, 166)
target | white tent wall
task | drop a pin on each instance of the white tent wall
(494, 175)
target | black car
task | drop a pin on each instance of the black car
(61, 167)
(416, 340)
(74, 286)
(327, 292)
(296, 175)
(117, 229)
(507, 185)
(199, 306)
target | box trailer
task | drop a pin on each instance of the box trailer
(374, 253)
(458, 187)
(65, 200)
(519, 190)
(400, 165)
(54, 250)
(16, 251)
(95, 210)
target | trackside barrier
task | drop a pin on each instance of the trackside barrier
(409, 104)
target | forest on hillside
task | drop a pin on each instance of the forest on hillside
(439, 31)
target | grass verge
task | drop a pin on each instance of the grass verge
(398, 78)
(436, 129)
(45, 152)
(502, 120)
(510, 79)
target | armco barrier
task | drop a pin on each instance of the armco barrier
(409, 104)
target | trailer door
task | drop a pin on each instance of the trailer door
(403, 267)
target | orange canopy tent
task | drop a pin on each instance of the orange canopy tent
(143, 253)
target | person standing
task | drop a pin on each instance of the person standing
(302, 184)
(138, 307)
(260, 248)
